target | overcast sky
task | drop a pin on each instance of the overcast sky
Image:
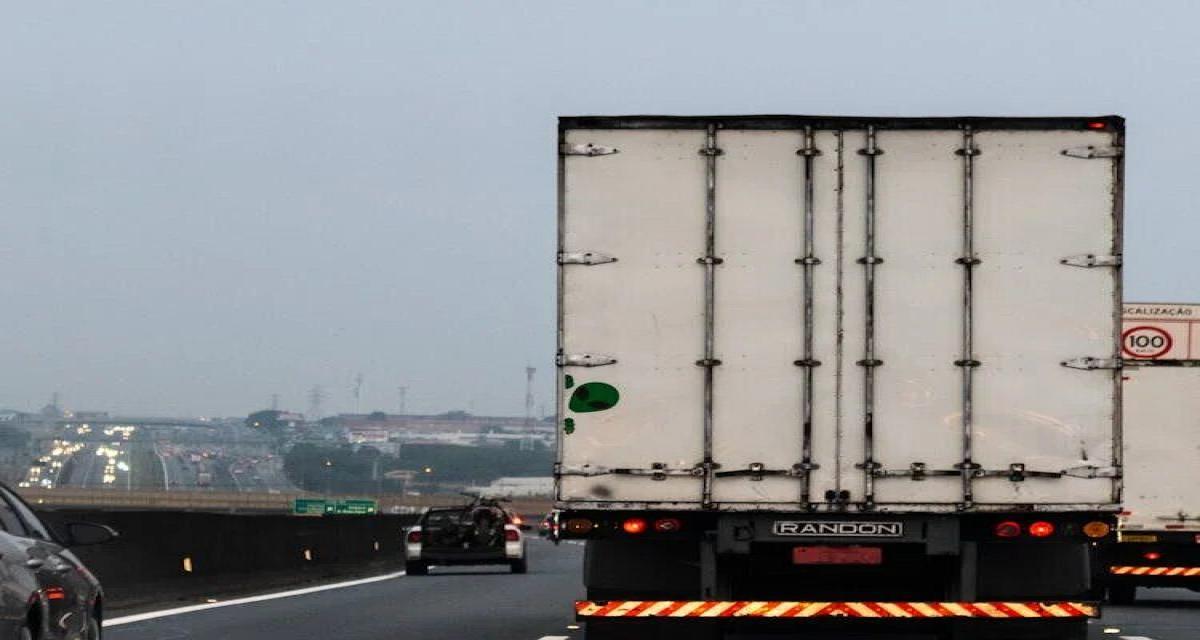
(206, 203)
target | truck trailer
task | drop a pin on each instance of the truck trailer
(839, 372)
(1158, 539)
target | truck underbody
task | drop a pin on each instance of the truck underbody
(724, 573)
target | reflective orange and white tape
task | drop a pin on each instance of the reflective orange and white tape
(1155, 571)
(780, 609)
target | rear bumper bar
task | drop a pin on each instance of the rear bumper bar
(591, 610)
(1155, 572)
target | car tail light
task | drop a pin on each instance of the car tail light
(1096, 529)
(667, 525)
(634, 525)
(512, 535)
(414, 537)
(1007, 529)
(1096, 124)
(1041, 529)
(1152, 555)
(55, 593)
(578, 526)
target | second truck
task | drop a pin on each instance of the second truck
(831, 371)
(1159, 539)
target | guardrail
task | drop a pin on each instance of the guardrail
(237, 502)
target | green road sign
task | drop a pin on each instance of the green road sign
(309, 506)
(323, 506)
(355, 507)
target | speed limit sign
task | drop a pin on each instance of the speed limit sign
(1145, 342)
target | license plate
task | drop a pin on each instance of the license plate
(837, 555)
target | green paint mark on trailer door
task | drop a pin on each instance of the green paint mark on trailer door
(594, 396)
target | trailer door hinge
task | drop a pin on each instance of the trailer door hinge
(1091, 260)
(1091, 151)
(583, 360)
(1087, 362)
(585, 257)
(587, 149)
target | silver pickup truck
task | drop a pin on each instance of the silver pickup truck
(482, 532)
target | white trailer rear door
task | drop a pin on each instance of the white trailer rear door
(1162, 447)
(800, 315)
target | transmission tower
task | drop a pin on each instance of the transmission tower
(527, 441)
(358, 386)
(403, 391)
(274, 402)
(529, 371)
(316, 396)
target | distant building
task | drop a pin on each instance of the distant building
(520, 487)
(450, 422)
(87, 415)
(367, 436)
(273, 419)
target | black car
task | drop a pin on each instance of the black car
(46, 593)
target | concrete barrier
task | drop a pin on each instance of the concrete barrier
(165, 556)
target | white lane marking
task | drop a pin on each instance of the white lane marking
(1135, 638)
(163, 613)
(555, 638)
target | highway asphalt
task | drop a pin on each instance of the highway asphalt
(490, 603)
(448, 604)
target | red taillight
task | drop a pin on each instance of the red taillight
(414, 537)
(1007, 529)
(512, 535)
(634, 525)
(1152, 555)
(1096, 124)
(579, 526)
(55, 593)
(667, 525)
(1041, 529)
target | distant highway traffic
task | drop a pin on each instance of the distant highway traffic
(492, 604)
(139, 458)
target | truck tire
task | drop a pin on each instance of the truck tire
(652, 630)
(1017, 630)
(416, 568)
(519, 566)
(1122, 593)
